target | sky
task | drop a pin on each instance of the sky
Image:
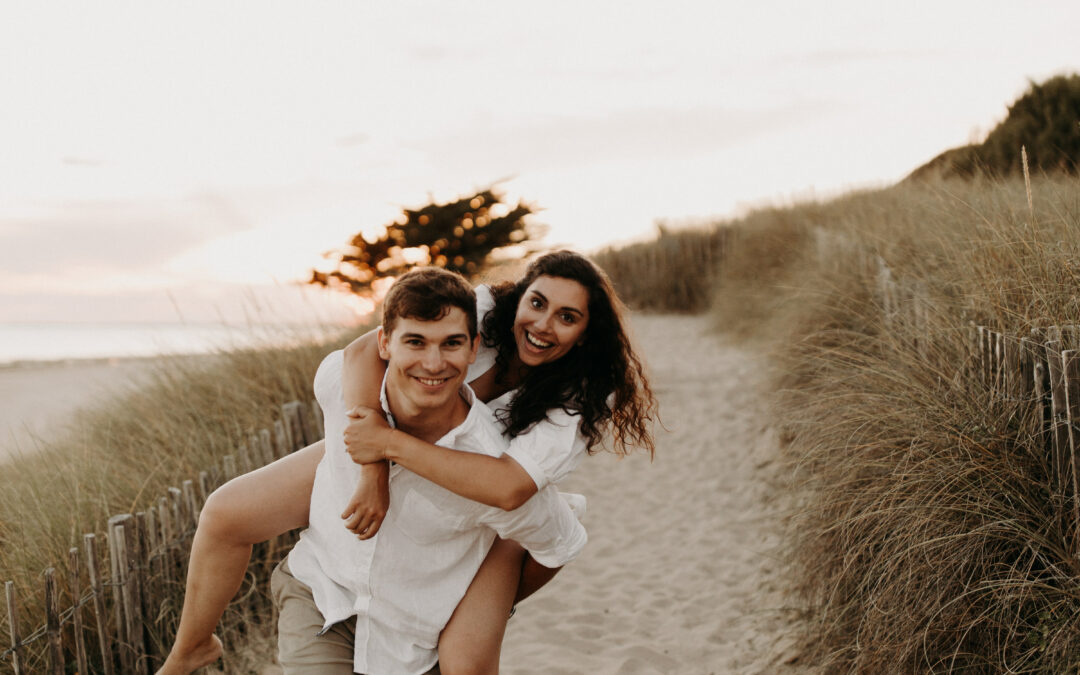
(189, 161)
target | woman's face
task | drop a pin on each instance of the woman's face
(551, 318)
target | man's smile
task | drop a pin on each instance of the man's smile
(431, 381)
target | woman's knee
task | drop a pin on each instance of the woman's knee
(223, 516)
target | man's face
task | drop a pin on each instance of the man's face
(427, 361)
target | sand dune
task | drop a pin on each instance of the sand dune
(37, 399)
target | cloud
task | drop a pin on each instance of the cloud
(111, 235)
(352, 140)
(637, 134)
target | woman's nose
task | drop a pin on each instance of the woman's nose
(544, 322)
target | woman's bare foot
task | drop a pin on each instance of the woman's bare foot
(201, 655)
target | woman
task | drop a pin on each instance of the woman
(562, 370)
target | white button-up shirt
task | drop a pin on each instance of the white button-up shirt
(404, 583)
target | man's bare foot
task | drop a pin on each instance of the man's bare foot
(202, 655)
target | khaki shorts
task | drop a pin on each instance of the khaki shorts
(301, 650)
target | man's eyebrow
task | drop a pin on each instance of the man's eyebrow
(457, 336)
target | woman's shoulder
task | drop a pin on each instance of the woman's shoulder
(485, 301)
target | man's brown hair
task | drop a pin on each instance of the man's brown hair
(428, 294)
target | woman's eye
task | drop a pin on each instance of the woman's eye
(569, 318)
(536, 303)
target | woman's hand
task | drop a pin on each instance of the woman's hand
(367, 435)
(367, 508)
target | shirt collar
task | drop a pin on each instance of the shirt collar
(466, 392)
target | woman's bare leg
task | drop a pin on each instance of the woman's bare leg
(245, 511)
(471, 642)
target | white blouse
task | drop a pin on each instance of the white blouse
(552, 448)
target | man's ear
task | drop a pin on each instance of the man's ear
(384, 343)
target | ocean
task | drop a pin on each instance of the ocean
(31, 342)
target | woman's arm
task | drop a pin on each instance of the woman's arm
(363, 372)
(496, 481)
(362, 378)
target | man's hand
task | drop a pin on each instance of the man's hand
(367, 508)
(366, 435)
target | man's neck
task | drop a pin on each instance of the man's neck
(427, 424)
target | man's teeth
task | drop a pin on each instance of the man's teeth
(429, 382)
(535, 342)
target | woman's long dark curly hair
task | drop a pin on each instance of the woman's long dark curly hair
(601, 379)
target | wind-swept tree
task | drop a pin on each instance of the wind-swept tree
(459, 235)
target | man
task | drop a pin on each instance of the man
(377, 606)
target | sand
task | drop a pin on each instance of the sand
(680, 574)
(37, 399)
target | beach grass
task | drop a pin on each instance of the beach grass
(933, 533)
(934, 536)
(122, 456)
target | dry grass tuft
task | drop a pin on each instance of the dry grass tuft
(125, 454)
(934, 535)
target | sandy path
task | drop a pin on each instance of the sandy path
(679, 575)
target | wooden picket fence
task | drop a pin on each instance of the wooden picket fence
(1038, 371)
(128, 603)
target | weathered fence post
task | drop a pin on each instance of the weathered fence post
(167, 540)
(1058, 422)
(290, 418)
(245, 458)
(1071, 364)
(118, 556)
(13, 626)
(97, 592)
(204, 486)
(76, 616)
(281, 439)
(267, 446)
(52, 624)
(228, 463)
(193, 507)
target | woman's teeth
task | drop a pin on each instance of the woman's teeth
(536, 342)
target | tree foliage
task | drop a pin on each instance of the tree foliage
(459, 235)
(1045, 120)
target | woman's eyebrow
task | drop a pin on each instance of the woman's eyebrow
(567, 308)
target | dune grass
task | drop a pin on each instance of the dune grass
(123, 455)
(932, 533)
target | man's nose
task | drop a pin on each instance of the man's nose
(433, 359)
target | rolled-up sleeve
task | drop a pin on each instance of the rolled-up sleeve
(545, 526)
(551, 449)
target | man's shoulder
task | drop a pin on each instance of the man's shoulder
(327, 383)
